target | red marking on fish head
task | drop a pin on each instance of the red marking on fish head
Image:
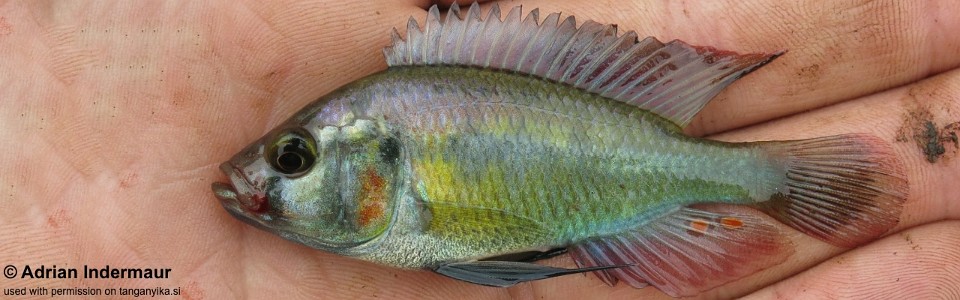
(371, 197)
(258, 203)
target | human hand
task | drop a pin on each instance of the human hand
(115, 116)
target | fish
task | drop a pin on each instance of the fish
(491, 143)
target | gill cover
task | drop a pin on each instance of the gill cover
(369, 159)
(348, 195)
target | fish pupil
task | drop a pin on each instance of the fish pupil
(290, 162)
(293, 156)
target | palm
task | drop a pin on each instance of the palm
(114, 119)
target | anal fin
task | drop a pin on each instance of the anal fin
(688, 251)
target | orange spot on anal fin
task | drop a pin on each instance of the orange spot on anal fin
(699, 226)
(731, 222)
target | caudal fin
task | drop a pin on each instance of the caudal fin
(844, 189)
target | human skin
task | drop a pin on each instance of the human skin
(115, 115)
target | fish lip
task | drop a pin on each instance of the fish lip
(228, 192)
(225, 190)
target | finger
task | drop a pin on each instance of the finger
(836, 50)
(919, 263)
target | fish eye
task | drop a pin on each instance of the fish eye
(292, 152)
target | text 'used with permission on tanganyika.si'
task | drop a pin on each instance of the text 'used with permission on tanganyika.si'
(87, 272)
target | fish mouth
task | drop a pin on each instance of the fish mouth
(240, 194)
(237, 195)
(231, 202)
(234, 200)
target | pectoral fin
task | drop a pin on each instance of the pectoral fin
(507, 273)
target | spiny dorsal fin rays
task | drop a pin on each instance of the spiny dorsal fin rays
(674, 80)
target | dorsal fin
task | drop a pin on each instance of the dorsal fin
(674, 80)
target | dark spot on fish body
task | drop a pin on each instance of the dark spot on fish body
(389, 150)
